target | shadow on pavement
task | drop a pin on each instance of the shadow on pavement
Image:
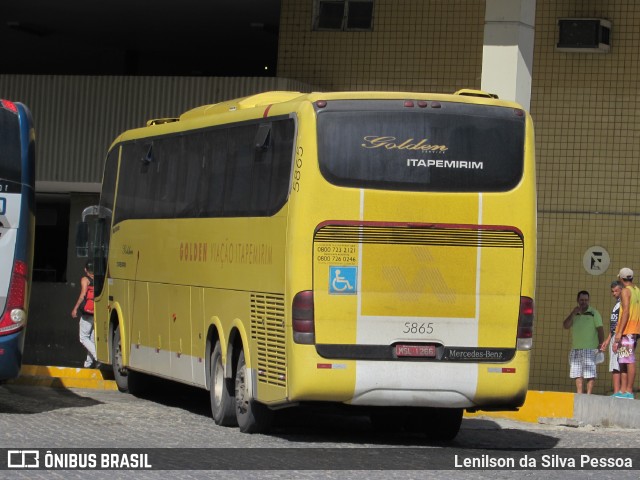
(173, 394)
(340, 424)
(22, 399)
(304, 425)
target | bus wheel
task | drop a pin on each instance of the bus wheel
(252, 416)
(440, 424)
(119, 371)
(222, 403)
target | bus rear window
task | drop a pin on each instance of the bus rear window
(453, 148)
(10, 151)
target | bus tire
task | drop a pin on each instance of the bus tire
(441, 424)
(252, 416)
(222, 402)
(120, 373)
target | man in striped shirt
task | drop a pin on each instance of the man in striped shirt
(614, 367)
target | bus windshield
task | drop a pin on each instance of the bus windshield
(10, 167)
(443, 147)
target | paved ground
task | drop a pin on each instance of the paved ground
(178, 417)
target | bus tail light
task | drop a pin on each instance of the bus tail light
(302, 314)
(525, 324)
(9, 106)
(15, 315)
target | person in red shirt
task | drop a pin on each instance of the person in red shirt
(84, 305)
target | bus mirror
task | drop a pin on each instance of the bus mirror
(263, 136)
(82, 239)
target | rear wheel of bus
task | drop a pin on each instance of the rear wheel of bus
(127, 381)
(222, 402)
(119, 371)
(252, 416)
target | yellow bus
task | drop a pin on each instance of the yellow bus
(368, 249)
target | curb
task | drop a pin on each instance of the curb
(573, 410)
(538, 405)
(63, 377)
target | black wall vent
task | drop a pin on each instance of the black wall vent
(586, 35)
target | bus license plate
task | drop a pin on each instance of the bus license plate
(415, 350)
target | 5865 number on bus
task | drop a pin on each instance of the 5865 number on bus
(416, 327)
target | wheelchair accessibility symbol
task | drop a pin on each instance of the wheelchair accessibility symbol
(343, 280)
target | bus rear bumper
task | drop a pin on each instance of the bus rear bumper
(11, 347)
(472, 385)
(413, 398)
(418, 384)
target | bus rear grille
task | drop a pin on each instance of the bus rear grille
(436, 235)
(267, 333)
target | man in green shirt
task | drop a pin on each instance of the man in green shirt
(587, 335)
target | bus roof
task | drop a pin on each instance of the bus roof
(266, 100)
(259, 99)
(275, 97)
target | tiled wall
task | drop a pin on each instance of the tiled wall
(416, 45)
(584, 106)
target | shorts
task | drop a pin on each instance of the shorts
(613, 358)
(583, 363)
(627, 349)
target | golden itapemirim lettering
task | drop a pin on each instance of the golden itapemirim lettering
(193, 251)
(226, 253)
(241, 253)
(391, 143)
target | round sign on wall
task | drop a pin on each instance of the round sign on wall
(596, 260)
